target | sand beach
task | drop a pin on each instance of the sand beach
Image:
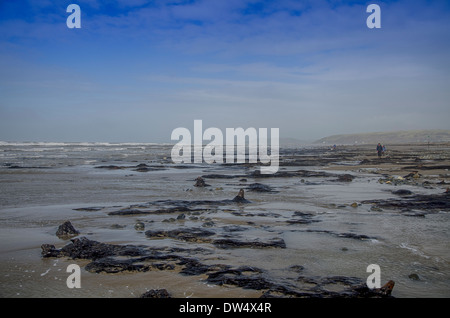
(144, 224)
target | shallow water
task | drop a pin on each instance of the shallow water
(42, 184)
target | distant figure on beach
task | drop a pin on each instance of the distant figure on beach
(379, 150)
(384, 149)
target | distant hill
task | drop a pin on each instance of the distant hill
(293, 142)
(395, 137)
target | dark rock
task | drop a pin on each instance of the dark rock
(376, 208)
(162, 266)
(181, 216)
(413, 276)
(139, 226)
(177, 206)
(156, 234)
(156, 293)
(110, 258)
(428, 203)
(365, 162)
(240, 197)
(402, 192)
(297, 268)
(194, 267)
(413, 175)
(49, 250)
(245, 277)
(208, 224)
(219, 176)
(140, 167)
(132, 211)
(66, 230)
(300, 221)
(355, 236)
(189, 234)
(117, 226)
(234, 228)
(291, 174)
(259, 187)
(303, 214)
(357, 290)
(89, 209)
(145, 169)
(84, 248)
(233, 243)
(20, 167)
(434, 167)
(345, 178)
(110, 167)
(344, 235)
(347, 287)
(384, 291)
(414, 214)
(174, 210)
(110, 265)
(305, 218)
(128, 212)
(279, 174)
(200, 183)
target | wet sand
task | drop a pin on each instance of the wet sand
(312, 229)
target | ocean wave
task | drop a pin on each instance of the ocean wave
(81, 144)
(414, 250)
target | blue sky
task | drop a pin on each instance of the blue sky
(138, 69)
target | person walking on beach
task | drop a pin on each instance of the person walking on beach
(379, 150)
